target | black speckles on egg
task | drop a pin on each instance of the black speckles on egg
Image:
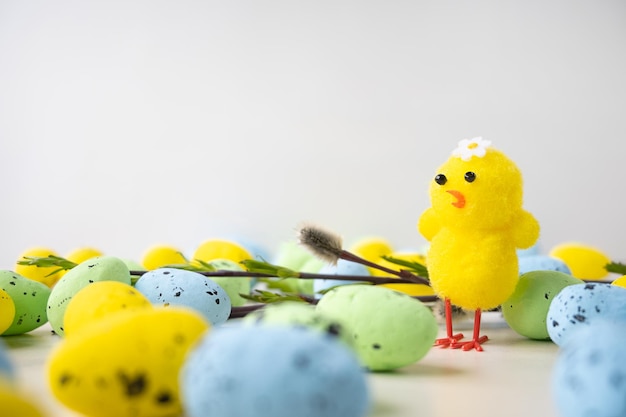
(590, 286)
(546, 296)
(133, 385)
(164, 398)
(179, 338)
(579, 318)
(376, 346)
(616, 379)
(301, 361)
(65, 379)
(334, 329)
(217, 301)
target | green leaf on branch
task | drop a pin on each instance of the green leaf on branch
(268, 297)
(49, 261)
(253, 265)
(412, 266)
(616, 267)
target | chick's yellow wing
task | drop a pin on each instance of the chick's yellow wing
(429, 224)
(525, 230)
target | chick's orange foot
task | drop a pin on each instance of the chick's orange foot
(474, 344)
(449, 341)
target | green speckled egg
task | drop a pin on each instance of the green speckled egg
(526, 309)
(29, 298)
(295, 314)
(389, 329)
(103, 268)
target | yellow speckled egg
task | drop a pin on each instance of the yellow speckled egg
(7, 310)
(80, 255)
(45, 275)
(221, 249)
(99, 300)
(162, 255)
(126, 365)
(372, 249)
(13, 403)
(620, 282)
(584, 262)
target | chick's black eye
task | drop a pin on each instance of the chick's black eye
(440, 179)
(470, 176)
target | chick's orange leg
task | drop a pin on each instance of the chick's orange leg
(477, 340)
(450, 339)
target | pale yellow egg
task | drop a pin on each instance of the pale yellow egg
(15, 403)
(126, 365)
(584, 261)
(100, 300)
(79, 255)
(162, 255)
(46, 275)
(221, 249)
(620, 282)
(7, 310)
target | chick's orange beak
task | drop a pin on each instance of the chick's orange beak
(460, 198)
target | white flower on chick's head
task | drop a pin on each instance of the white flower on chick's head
(471, 147)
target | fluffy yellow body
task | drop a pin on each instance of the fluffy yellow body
(475, 225)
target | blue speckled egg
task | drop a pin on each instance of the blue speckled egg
(531, 263)
(589, 377)
(264, 371)
(171, 286)
(580, 305)
(342, 267)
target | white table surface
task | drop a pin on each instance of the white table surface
(510, 378)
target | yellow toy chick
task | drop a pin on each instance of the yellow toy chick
(475, 225)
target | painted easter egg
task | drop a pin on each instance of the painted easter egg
(80, 255)
(580, 305)
(589, 376)
(159, 256)
(265, 371)
(98, 301)
(15, 403)
(7, 311)
(103, 268)
(220, 249)
(46, 275)
(526, 309)
(390, 329)
(170, 286)
(233, 286)
(295, 314)
(531, 263)
(584, 261)
(30, 300)
(342, 267)
(126, 365)
(620, 282)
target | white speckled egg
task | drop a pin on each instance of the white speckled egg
(171, 286)
(264, 371)
(580, 305)
(589, 377)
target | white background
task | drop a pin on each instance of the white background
(125, 124)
